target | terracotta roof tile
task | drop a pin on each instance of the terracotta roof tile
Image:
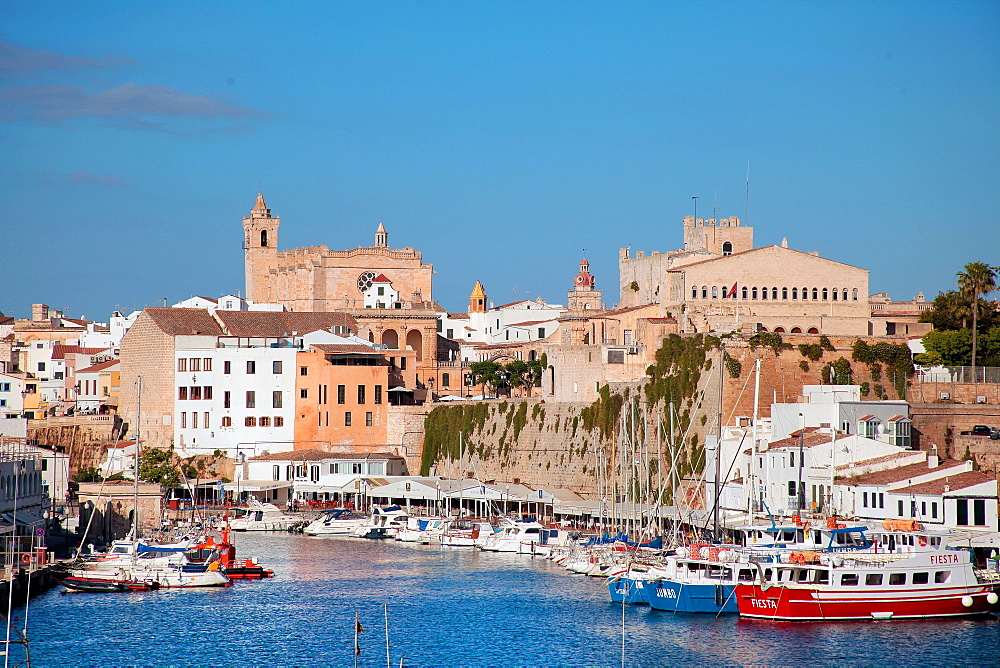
(313, 455)
(952, 482)
(899, 474)
(59, 352)
(183, 321)
(282, 323)
(99, 367)
(458, 316)
(345, 348)
(521, 301)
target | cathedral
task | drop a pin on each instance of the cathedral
(319, 279)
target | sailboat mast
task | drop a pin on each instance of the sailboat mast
(718, 448)
(752, 490)
(135, 496)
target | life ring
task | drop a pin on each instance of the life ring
(26, 558)
(922, 540)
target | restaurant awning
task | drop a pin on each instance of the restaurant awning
(258, 485)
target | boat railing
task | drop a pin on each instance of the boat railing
(987, 575)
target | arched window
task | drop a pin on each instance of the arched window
(813, 330)
(796, 330)
(445, 380)
(845, 294)
(704, 292)
(779, 330)
(263, 238)
(774, 294)
(755, 293)
(795, 293)
(727, 248)
(694, 292)
(715, 292)
(854, 294)
(763, 328)
(784, 293)
(815, 294)
(835, 295)
(825, 294)
(763, 293)
(744, 292)
(805, 293)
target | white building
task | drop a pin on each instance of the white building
(841, 406)
(381, 294)
(521, 321)
(12, 420)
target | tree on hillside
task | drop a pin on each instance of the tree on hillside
(157, 466)
(517, 373)
(485, 374)
(977, 279)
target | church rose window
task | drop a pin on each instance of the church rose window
(365, 280)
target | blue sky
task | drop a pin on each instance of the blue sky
(502, 139)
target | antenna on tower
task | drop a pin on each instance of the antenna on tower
(746, 214)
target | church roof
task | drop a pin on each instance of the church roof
(381, 229)
(381, 279)
(260, 205)
(478, 291)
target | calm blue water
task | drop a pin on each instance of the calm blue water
(448, 607)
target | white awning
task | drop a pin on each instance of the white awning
(257, 485)
(24, 518)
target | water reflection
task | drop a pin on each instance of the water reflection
(447, 607)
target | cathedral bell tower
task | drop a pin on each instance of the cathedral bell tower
(584, 296)
(260, 245)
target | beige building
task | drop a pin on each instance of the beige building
(319, 279)
(720, 282)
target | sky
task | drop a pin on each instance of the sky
(506, 140)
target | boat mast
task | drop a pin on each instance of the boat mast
(752, 489)
(135, 494)
(718, 448)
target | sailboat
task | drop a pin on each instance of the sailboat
(176, 570)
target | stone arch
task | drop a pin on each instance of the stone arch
(390, 339)
(779, 330)
(813, 330)
(796, 330)
(552, 379)
(414, 342)
(371, 336)
(727, 248)
(763, 328)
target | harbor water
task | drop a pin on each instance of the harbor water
(449, 606)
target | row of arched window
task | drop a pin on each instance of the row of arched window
(772, 293)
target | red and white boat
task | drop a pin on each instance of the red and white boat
(922, 583)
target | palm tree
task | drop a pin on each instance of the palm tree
(977, 279)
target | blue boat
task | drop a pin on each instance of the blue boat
(698, 586)
(631, 590)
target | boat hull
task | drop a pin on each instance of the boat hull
(812, 604)
(627, 590)
(694, 598)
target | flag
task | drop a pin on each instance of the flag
(357, 629)
(732, 293)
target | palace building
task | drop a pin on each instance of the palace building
(719, 282)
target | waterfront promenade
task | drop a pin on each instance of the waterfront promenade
(448, 607)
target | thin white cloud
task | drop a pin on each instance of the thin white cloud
(82, 177)
(130, 106)
(18, 61)
(59, 102)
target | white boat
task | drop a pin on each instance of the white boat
(511, 538)
(467, 533)
(338, 522)
(173, 575)
(257, 516)
(384, 523)
(423, 530)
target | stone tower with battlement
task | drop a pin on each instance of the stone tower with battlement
(319, 279)
(724, 236)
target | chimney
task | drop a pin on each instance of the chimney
(932, 458)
